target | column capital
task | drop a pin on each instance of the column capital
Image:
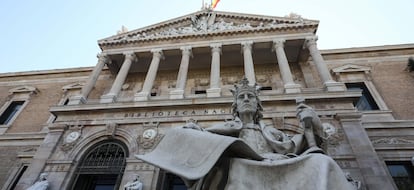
(278, 42)
(157, 53)
(103, 57)
(186, 50)
(247, 45)
(311, 40)
(130, 56)
(216, 47)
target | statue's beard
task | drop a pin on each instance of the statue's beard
(247, 108)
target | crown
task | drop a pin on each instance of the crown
(244, 86)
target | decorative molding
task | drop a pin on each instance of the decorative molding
(392, 140)
(57, 167)
(150, 136)
(139, 167)
(73, 135)
(111, 129)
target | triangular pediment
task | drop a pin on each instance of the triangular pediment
(351, 68)
(23, 89)
(77, 85)
(206, 23)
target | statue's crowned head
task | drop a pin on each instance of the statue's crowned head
(246, 100)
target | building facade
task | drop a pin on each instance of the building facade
(83, 126)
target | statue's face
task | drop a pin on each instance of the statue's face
(246, 102)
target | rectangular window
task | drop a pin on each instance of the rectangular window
(266, 88)
(402, 173)
(18, 176)
(200, 92)
(10, 112)
(366, 101)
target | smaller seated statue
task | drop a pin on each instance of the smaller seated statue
(41, 184)
(135, 184)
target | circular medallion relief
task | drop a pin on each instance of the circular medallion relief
(149, 134)
(71, 137)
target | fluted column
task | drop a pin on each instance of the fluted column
(289, 85)
(178, 93)
(321, 66)
(120, 78)
(248, 62)
(157, 55)
(215, 90)
(87, 88)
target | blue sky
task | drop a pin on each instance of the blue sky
(55, 34)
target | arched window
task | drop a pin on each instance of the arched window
(102, 167)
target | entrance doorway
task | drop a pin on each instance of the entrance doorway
(102, 167)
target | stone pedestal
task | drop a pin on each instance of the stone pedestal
(177, 94)
(141, 96)
(108, 98)
(332, 86)
(292, 88)
(78, 99)
(213, 92)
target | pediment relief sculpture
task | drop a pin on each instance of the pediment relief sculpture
(206, 22)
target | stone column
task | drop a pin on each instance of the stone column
(178, 93)
(120, 79)
(215, 90)
(41, 156)
(289, 85)
(157, 55)
(102, 60)
(321, 66)
(248, 62)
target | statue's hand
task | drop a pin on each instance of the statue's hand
(193, 126)
(277, 140)
(236, 123)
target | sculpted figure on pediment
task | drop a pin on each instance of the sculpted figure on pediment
(245, 153)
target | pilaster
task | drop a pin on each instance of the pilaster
(373, 169)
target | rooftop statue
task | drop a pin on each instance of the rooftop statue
(245, 154)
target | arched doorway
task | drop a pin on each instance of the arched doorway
(102, 167)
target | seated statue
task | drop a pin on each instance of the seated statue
(41, 184)
(245, 154)
(135, 184)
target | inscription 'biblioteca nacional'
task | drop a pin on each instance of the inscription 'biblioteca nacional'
(178, 113)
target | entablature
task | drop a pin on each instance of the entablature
(197, 102)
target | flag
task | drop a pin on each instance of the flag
(214, 3)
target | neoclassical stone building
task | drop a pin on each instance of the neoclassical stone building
(83, 126)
